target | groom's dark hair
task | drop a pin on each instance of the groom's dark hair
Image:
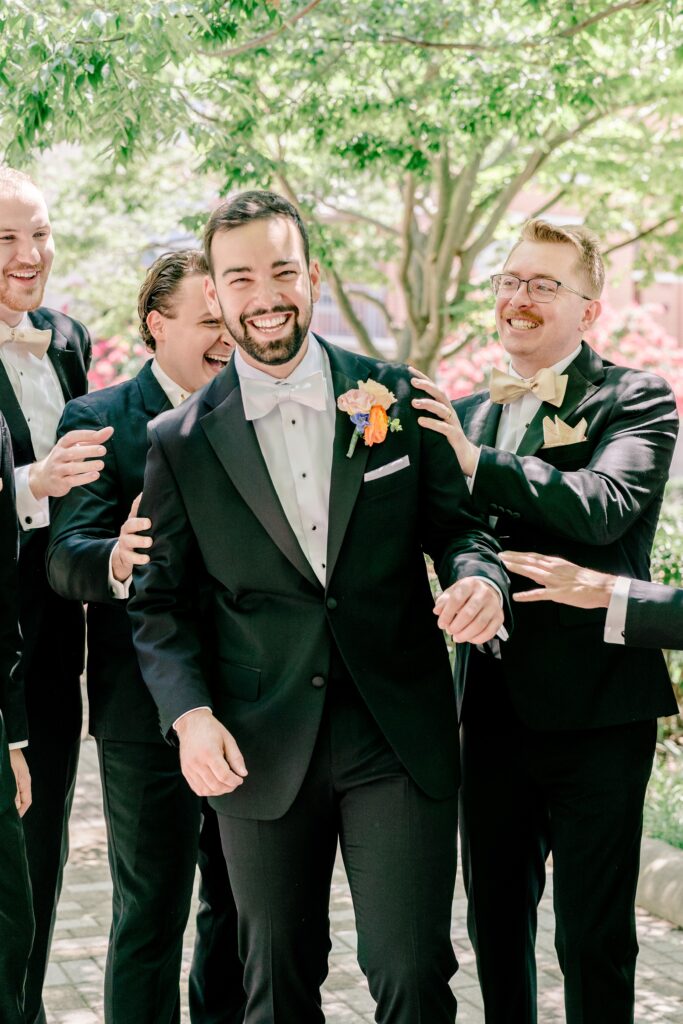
(248, 206)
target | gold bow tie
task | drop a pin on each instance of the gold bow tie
(34, 340)
(546, 385)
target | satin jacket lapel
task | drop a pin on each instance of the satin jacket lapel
(585, 374)
(64, 359)
(234, 441)
(481, 421)
(154, 398)
(16, 421)
(347, 474)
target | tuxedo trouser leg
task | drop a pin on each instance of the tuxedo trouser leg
(597, 781)
(16, 918)
(152, 819)
(216, 990)
(281, 874)
(505, 842)
(400, 852)
(52, 762)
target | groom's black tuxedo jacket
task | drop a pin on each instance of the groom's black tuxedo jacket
(53, 629)
(84, 528)
(654, 616)
(229, 613)
(13, 725)
(595, 502)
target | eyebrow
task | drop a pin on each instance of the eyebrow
(273, 266)
(538, 273)
(39, 227)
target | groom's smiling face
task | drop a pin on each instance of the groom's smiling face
(264, 290)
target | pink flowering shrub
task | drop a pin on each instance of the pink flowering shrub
(630, 336)
(115, 359)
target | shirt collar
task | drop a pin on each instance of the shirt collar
(311, 363)
(173, 391)
(557, 367)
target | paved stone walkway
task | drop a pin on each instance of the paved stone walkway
(74, 985)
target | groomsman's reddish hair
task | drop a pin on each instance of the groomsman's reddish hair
(246, 207)
(582, 239)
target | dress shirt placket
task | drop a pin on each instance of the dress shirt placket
(309, 488)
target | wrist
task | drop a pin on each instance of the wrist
(35, 480)
(187, 721)
(607, 584)
(467, 456)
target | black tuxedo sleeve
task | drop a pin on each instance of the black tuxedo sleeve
(453, 534)
(165, 607)
(654, 616)
(85, 523)
(600, 502)
(11, 686)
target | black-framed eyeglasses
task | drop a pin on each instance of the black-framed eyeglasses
(539, 289)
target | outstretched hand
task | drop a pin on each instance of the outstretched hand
(560, 581)
(76, 459)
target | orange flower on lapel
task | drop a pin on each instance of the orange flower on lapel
(367, 408)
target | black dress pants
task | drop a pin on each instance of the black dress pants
(16, 915)
(580, 795)
(153, 829)
(399, 850)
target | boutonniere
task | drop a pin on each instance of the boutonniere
(367, 408)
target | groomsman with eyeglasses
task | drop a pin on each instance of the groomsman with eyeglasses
(44, 358)
(568, 455)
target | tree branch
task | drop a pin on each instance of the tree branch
(252, 44)
(527, 44)
(375, 301)
(349, 313)
(362, 217)
(551, 202)
(641, 234)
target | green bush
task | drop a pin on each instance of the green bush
(664, 802)
(667, 567)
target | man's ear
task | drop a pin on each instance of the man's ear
(211, 297)
(156, 324)
(315, 275)
(590, 315)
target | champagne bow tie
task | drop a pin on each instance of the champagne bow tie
(261, 396)
(546, 385)
(31, 338)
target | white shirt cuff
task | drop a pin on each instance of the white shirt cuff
(615, 623)
(31, 512)
(19, 745)
(120, 589)
(203, 707)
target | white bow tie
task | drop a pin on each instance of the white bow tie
(260, 397)
(34, 340)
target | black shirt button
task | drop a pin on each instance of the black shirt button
(29, 520)
(318, 682)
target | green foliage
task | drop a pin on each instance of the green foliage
(404, 130)
(667, 567)
(663, 817)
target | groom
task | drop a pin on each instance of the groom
(286, 629)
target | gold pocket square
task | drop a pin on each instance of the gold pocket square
(556, 432)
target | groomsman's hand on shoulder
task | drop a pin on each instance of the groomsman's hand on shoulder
(125, 554)
(209, 756)
(76, 459)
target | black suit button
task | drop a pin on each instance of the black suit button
(331, 603)
(318, 682)
(29, 520)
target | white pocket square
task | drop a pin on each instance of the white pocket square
(388, 468)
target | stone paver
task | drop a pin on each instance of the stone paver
(73, 993)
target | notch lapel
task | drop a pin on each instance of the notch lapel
(234, 441)
(347, 474)
(22, 444)
(584, 374)
(480, 422)
(154, 398)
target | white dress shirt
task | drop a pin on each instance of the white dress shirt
(296, 442)
(38, 391)
(120, 589)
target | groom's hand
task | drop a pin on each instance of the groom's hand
(209, 757)
(470, 610)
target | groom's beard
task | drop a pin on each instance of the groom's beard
(279, 350)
